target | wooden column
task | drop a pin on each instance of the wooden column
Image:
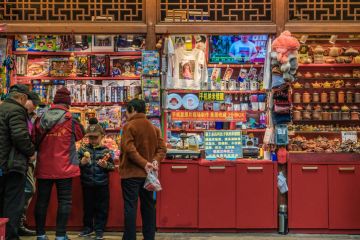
(150, 10)
(281, 15)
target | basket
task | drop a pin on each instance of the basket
(3, 222)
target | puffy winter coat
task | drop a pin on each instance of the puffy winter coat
(15, 143)
(91, 173)
(56, 133)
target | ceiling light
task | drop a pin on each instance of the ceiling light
(130, 38)
(24, 39)
(78, 39)
(333, 39)
(303, 39)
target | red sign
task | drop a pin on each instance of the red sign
(208, 116)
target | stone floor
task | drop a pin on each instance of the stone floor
(220, 236)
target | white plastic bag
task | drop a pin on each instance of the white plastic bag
(152, 182)
(282, 184)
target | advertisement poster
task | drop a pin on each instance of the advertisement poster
(223, 144)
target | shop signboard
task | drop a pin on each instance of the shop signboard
(208, 116)
(211, 96)
(349, 136)
(223, 144)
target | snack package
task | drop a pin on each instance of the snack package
(152, 182)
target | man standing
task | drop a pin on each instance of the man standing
(16, 149)
(30, 187)
(243, 50)
(141, 146)
(55, 134)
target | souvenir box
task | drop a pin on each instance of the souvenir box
(60, 67)
(37, 67)
(129, 43)
(82, 66)
(151, 63)
(124, 66)
(99, 65)
(103, 43)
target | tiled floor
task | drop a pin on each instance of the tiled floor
(219, 236)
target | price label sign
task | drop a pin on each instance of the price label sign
(349, 135)
(223, 144)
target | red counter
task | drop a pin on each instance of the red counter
(116, 211)
(324, 192)
(217, 196)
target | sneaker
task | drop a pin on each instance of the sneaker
(86, 232)
(99, 236)
(66, 237)
(42, 237)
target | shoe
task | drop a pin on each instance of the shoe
(23, 232)
(62, 238)
(99, 236)
(42, 237)
(86, 232)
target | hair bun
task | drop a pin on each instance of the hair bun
(93, 121)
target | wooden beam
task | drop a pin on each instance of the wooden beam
(215, 28)
(151, 6)
(281, 15)
(321, 27)
(58, 27)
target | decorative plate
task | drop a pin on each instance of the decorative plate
(174, 101)
(190, 101)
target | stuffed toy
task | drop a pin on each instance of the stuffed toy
(284, 55)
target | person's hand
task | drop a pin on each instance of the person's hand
(155, 165)
(102, 163)
(85, 160)
(149, 167)
(32, 159)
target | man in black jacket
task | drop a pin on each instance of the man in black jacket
(16, 150)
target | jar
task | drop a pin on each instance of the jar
(316, 115)
(345, 116)
(341, 97)
(325, 116)
(315, 97)
(349, 96)
(306, 97)
(355, 116)
(324, 97)
(297, 98)
(332, 97)
(335, 116)
(357, 97)
(306, 115)
(296, 115)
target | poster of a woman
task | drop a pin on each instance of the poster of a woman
(187, 70)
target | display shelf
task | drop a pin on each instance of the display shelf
(125, 53)
(345, 65)
(318, 132)
(97, 104)
(326, 79)
(325, 89)
(246, 111)
(26, 78)
(226, 92)
(202, 130)
(212, 65)
(326, 122)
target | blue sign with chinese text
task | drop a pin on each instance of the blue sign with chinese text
(223, 144)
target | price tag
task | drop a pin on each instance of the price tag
(349, 135)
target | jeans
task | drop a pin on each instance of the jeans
(29, 193)
(64, 195)
(96, 207)
(132, 188)
(12, 197)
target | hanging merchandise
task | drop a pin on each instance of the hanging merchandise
(9, 64)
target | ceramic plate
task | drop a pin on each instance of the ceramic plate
(174, 101)
(190, 102)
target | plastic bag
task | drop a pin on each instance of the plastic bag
(152, 182)
(282, 185)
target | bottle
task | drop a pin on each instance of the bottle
(283, 220)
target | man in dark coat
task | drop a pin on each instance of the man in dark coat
(16, 150)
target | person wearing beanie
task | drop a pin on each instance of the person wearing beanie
(95, 163)
(16, 151)
(142, 150)
(55, 134)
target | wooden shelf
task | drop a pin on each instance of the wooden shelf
(324, 89)
(125, 53)
(226, 92)
(327, 122)
(97, 104)
(326, 79)
(202, 130)
(344, 65)
(26, 78)
(318, 132)
(212, 65)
